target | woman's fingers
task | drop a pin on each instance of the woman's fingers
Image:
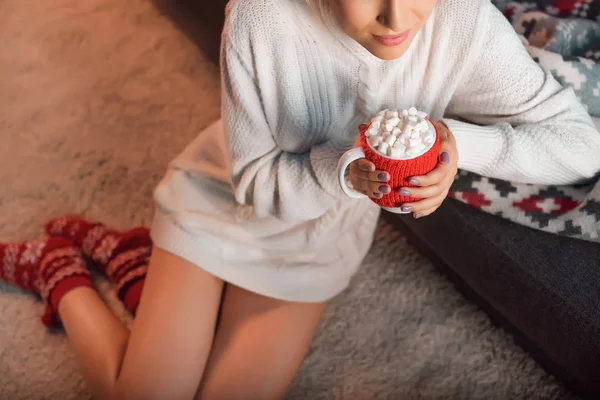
(437, 188)
(365, 165)
(425, 204)
(446, 166)
(423, 192)
(447, 160)
(435, 177)
(367, 180)
(371, 195)
(433, 187)
(367, 186)
(448, 154)
(364, 169)
(375, 176)
(425, 213)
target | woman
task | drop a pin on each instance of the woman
(252, 230)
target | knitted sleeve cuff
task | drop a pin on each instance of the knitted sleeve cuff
(479, 147)
(324, 159)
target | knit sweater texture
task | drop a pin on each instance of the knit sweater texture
(255, 199)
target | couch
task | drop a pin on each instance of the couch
(543, 288)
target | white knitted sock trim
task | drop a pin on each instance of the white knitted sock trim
(132, 275)
(127, 256)
(77, 268)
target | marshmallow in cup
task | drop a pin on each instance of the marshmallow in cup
(400, 135)
(402, 142)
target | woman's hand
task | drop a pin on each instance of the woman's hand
(433, 187)
(366, 180)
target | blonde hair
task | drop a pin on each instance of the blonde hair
(319, 8)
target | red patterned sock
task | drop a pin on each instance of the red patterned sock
(122, 256)
(50, 268)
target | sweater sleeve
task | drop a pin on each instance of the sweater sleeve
(517, 122)
(289, 186)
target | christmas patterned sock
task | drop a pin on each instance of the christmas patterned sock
(49, 268)
(122, 256)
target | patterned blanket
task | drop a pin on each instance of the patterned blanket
(564, 37)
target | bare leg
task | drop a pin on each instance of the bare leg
(165, 355)
(98, 337)
(259, 345)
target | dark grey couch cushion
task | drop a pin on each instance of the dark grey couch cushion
(543, 288)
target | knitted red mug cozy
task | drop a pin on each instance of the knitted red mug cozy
(400, 170)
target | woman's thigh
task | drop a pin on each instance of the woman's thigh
(173, 330)
(259, 345)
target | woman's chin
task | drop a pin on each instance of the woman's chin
(387, 53)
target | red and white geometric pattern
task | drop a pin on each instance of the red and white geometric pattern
(74, 267)
(33, 252)
(136, 255)
(56, 229)
(92, 237)
(56, 265)
(131, 276)
(563, 210)
(74, 229)
(104, 252)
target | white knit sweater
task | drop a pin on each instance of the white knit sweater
(293, 95)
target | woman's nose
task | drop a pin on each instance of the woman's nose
(394, 15)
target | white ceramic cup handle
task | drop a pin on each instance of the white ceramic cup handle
(349, 157)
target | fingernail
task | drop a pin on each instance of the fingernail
(418, 215)
(445, 157)
(377, 195)
(384, 188)
(382, 177)
(407, 208)
(404, 192)
(413, 181)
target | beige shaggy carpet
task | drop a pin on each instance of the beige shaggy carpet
(96, 97)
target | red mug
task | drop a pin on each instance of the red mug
(400, 170)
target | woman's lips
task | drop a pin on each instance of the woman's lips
(392, 40)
